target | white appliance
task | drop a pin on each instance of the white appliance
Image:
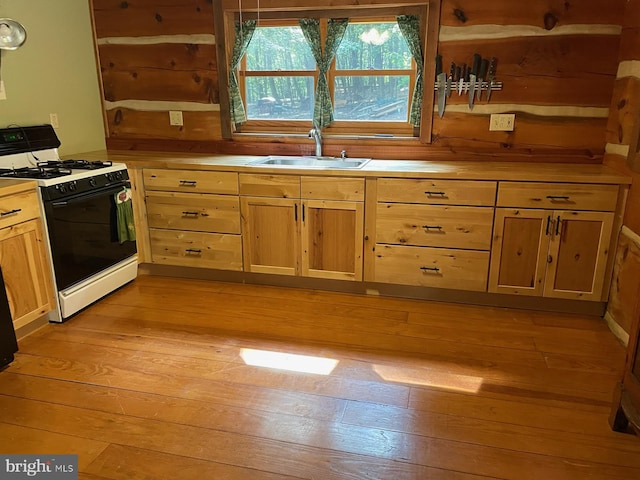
(90, 256)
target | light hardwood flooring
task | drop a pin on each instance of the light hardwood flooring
(152, 383)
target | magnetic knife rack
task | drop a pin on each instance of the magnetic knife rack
(495, 86)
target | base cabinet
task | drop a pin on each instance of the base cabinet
(24, 258)
(433, 233)
(317, 231)
(552, 253)
(193, 218)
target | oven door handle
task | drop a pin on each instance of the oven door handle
(93, 193)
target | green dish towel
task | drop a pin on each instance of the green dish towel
(124, 216)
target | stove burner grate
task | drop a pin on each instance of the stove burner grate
(76, 164)
(39, 172)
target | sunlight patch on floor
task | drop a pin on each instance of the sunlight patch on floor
(429, 378)
(288, 361)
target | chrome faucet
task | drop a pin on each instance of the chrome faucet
(317, 137)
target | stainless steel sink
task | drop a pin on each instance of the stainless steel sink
(311, 162)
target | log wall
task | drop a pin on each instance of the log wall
(557, 61)
(622, 142)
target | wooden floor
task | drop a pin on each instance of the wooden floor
(164, 379)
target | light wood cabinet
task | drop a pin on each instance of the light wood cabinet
(24, 258)
(433, 233)
(560, 253)
(310, 226)
(193, 218)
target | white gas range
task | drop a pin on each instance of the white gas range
(83, 204)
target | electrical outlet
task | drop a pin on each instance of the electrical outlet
(503, 122)
(53, 120)
(3, 92)
(175, 118)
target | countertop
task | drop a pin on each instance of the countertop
(463, 170)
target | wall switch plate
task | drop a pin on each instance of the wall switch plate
(502, 122)
(53, 120)
(175, 118)
(3, 92)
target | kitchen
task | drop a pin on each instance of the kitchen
(573, 75)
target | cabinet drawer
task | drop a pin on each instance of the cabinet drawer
(194, 211)
(280, 186)
(195, 249)
(193, 181)
(18, 208)
(434, 225)
(558, 196)
(432, 267)
(332, 188)
(438, 192)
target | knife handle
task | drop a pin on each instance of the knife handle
(492, 68)
(452, 70)
(483, 68)
(464, 72)
(438, 64)
(476, 64)
(457, 74)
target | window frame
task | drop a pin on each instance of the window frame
(226, 13)
(337, 127)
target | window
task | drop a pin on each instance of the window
(373, 74)
(279, 75)
(371, 79)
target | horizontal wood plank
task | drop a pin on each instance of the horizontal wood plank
(115, 18)
(543, 14)
(166, 56)
(170, 85)
(132, 124)
(464, 130)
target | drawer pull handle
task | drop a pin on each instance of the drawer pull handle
(188, 183)
(558, 197)
(187, 214)
(11, 212)
(430, 269)
(194, 251)
(435, 227)
(442, 194)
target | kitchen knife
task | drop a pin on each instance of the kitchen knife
(463, 78)
(452, 72)
(491, 75)
(456, 79)
(442, 85)
(472, 78)
(483, 73)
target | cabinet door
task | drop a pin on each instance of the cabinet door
(26, 271)
(332, 239)
(519, 251)
(271, 235)
(578, 254)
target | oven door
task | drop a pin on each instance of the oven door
(83, 234)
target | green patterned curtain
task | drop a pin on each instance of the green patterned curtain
(244, 33)
(410, 28)
(323, 110)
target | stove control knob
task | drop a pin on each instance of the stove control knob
(92, 182)
(62, 189)
(72, 186)
(110, 177)
(119, 175)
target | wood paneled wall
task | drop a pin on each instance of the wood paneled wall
(624, 120)
(557, 61)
